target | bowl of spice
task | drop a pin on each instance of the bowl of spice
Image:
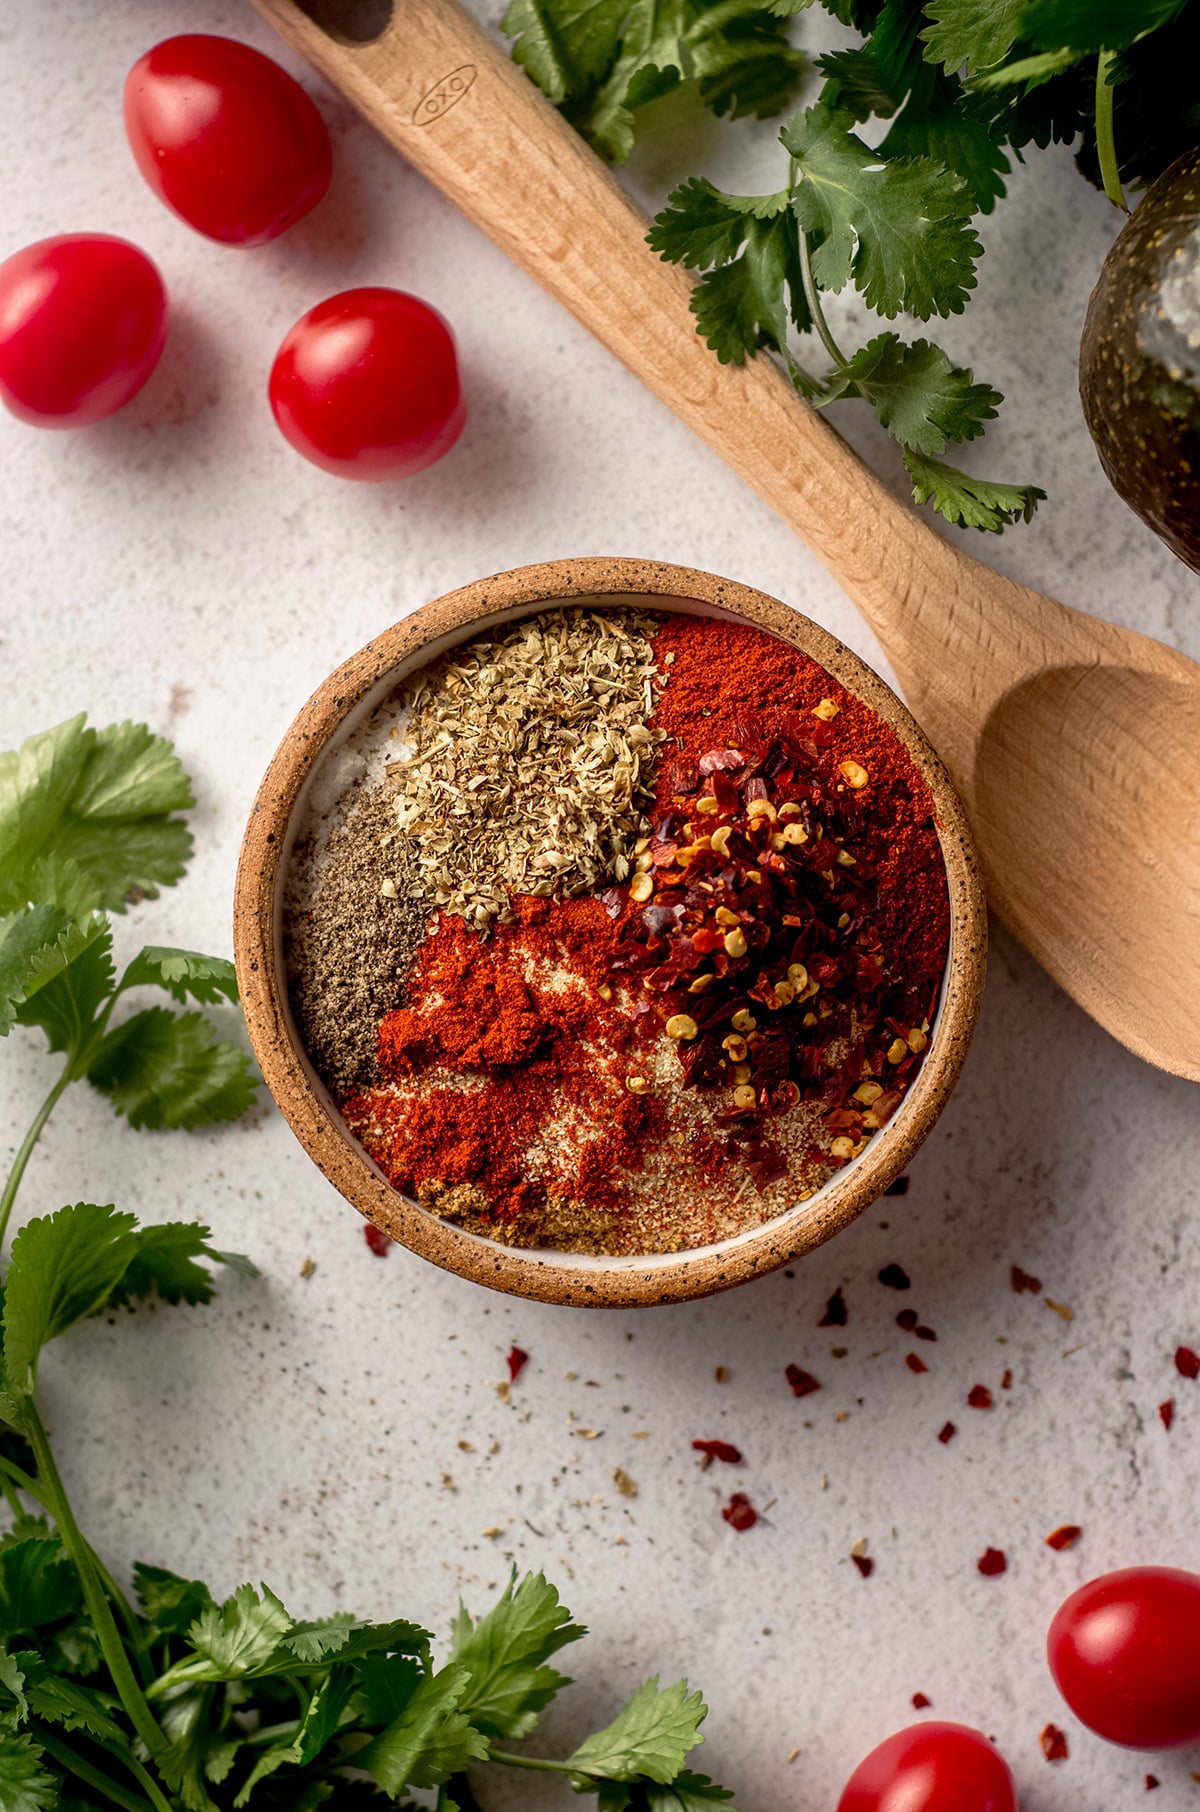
(608, 933)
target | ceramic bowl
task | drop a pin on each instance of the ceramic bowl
(329, 717)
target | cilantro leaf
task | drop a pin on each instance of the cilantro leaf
(940, 121)
(741, 60)
(170, 1604)
(163, 1069)
(38, 1585)
(504, 1655)
(13, 1680)
(565, 45)
(191, 1742)
(66, 1703)
(687, 1793)
(855, 84)
(25, 1786)
(899, 229)
(164, 1262)
(100, 800)
(649, 1737)
(972, 34)
(701, 225)
(234, 1639)
(350, 1641)
(753, 242)
(63, 1267)
(66, 1003)
(969, 502)
(385, 1688)
(36, 944)
(185, 974)
(318, 1724)
(920, 398)
(1090, 26)
(430, 1740)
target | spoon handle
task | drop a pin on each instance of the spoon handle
(471, 121)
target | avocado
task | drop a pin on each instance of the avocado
(1139, 360)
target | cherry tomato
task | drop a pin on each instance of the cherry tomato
(366, 385)
(226, 138)
(1125, 1653)
(83, 318)
(931, 1768)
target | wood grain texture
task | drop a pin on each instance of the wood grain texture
(1076, 745)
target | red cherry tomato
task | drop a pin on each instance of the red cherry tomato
(366, 385)
(931, 1768)
(226, 138)
(1125, 1653)
(83, 318)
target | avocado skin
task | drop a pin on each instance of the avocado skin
(1139, 360)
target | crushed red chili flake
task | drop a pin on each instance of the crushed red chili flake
(1166, 1413)
(925, 1333)
(864, 1563)
(803, 1383)
(947, 1433)
(377, 1239)
(893, 1277)
(1187, 1363)
(991, 1562)
(907, 1319)
(1025, 1280)
(920, 1702)
(1006, 1381)
(1054, 1744)
(1064, 1537)
(719, 1450)
(739, 1512)
(835, 1312)
(518, 1359)
(899, 1187)
(1152, 1781)
(915, 1363)
(979, 1397)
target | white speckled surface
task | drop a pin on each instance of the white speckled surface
(181, 565)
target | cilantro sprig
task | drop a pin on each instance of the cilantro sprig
(172, 1701)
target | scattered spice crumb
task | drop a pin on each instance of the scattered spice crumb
(1064, 1537)
(992, 1562)
(624, 1484)
(640, 1434)
(793, 1755)
(835, 1312)
(947, 1433)
(803, 1383)
(907, 1319)
(718, 1450)
(920, 1702)
(915, 1363)
(1054, 1744)
(377, 1239)
(308, 1267)
(466, 1447)
(1166, 1413)
(823, 1482)
(864, 1563)
(589, 1434)
(721, 1374)
(492, 1531)
(518, 1359)
(1006, 1381)
(1152, 1781)
(739, 1512)
(1025, 1280)
(894, 1278)
(979, 1397)
(925, 1333)
(504, 1390)
(1187, 1363)
(899, 1187)
(1060, 1308)
(859, 1548)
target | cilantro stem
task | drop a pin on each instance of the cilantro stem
(31, 1138)
(1106, 144)
(812, 297)
(84, 1771)
(536, 1761)
(99, 1609)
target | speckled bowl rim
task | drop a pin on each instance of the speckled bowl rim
(561, 1277)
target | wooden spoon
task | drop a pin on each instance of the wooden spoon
(1076, 745)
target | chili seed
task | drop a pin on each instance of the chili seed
(762, 808)
(702, 983)
(707, 806)
(785, 994)
(793, 834)
(604, 991)
(735, 943)
(742, 1072)
(854, 774)
(846, 860)
(868, 1093)
(725, 917)
(842, 1147)
(743, 1020)
(743, 1095)
(826, 710)
(798, 976)
(643, 862)
(641, 887)
(681, 1025)
(637, 1085)
(719, 842)
(917, 1040)
(897, 1051)
(736, 1046)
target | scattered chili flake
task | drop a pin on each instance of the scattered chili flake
(1054, 1744)
(1025, 1280)
(739, 1512)
(719, 1450)
(803, 1383)
(1006, 1381)
(992, 1562)
(925, 1333)
(864, 1563)
(1187, 1363)
(894, 1278)
(907, 1319)
(1166, 1413)
(1152, 1781)
(518, 1359)
(1060, 1308)
(947, 1433)
(835, 1312)
(920, 1702)
(899, 1187)
(979, 1397)
(1064, 1537)
(721, 1373)
(915, 1363)
(377, 1239)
